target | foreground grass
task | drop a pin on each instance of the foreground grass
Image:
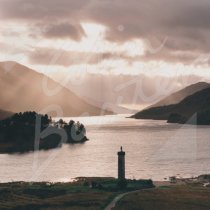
(72, 196)
(52, 196)
(185, 197)
(79, 196)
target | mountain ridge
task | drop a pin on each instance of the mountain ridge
(24, 89)
(197, 102)
(179, 95)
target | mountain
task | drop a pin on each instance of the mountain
(129, 91)
(181, 94)
(110, 106)
(5, 114)
(23, 89)
(161, 110)
(198, 102)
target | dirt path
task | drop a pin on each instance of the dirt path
(119, 197)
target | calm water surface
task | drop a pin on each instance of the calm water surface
(154, 149)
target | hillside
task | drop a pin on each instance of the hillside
(198, 102)
(181, 94)
(23, 89)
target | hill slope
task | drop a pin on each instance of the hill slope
(181, 94)
(23, 89)
(198, 102)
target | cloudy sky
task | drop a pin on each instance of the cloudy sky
(107, 36)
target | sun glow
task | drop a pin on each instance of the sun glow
(110, 57)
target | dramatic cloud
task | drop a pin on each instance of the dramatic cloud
(63, 30)
(28, 10)
(49, 56)
(55, 19)
(182, 25)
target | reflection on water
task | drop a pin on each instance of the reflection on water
(154, 150)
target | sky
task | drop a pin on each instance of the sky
(153, 37)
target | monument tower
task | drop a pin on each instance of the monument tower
(121, 165)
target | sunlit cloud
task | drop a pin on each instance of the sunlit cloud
(112, 37)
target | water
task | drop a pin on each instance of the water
(154, 149)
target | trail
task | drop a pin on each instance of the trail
(119, 197)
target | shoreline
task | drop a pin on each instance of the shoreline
(72, 180)
(101, 178)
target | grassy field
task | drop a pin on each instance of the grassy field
(185, 197)
(72, 196)
(79, 195)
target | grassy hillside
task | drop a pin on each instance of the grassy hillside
(181, 94)
(198, 102)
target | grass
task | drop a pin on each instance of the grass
(51, 196)
(185, 197)
(74, 195)
(79, 196)
(58, 196)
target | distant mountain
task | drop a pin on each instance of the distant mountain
(122, 89)
(181, 94)
(5, 114)
(23, 89)
(110, 106)
(198, 103)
